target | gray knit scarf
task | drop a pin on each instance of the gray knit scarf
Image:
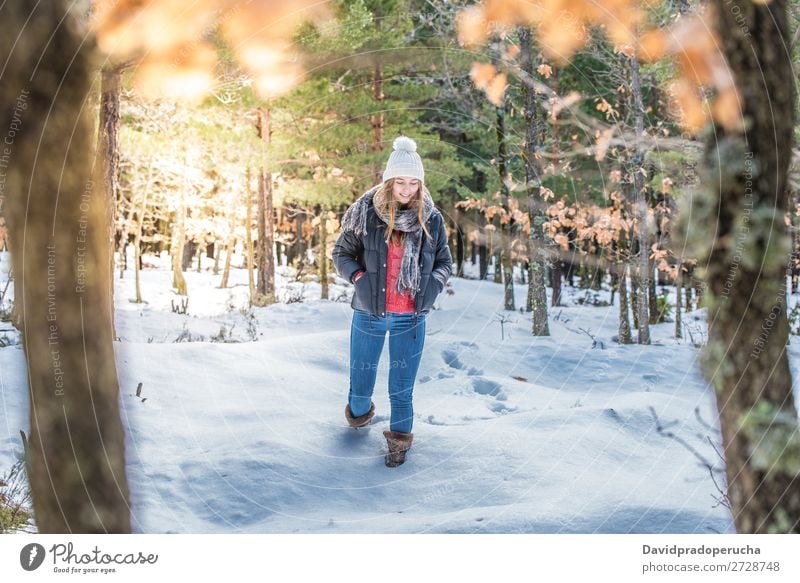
(355, 220)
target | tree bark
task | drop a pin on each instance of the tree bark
(107, 159)
(377, 119)
(555, 282)
(745, 195)
(458, 235)
(688, 279)
(625, 336)
(137, 241)
(299, 241)
(537, 293)
(643, 263)
(226, 268)
(178, 244)
(505, 236)
(58, 222)
(216, 249)
(322, 258)
(652, 293)
(634, 292)
(248, 229)
(483, 249)
(265, 286)
(678, 293)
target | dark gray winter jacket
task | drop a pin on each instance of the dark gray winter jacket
(353, 253)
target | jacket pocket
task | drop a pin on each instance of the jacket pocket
(361, 289)
(429, 294)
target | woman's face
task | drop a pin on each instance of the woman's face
(404, 189)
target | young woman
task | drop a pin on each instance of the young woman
(393, 248)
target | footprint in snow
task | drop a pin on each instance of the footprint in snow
(487, 387)
(451, 359)
(501, 409)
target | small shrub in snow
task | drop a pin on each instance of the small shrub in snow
(591, 298)
(503, 319)
(293, 294)
(15, 498)
(186, 336)
(340, 295)
(180, 308)
(225, 334)
(5, 312)
(230, 305)
(560, 317)
(696, 334)
(252, 322)
(794, 320)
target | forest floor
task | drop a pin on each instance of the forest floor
(239, 426)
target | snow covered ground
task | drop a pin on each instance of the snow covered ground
(524, 434)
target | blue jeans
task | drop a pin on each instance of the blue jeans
(367, 335)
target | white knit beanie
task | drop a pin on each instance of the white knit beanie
(404, 161)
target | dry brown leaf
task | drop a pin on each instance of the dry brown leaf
(496, 89)
(481, 74)
(472, 27)
(544, 70)
(603, 142)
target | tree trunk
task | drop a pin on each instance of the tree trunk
(483, 249)
(58, 213)
(189, 248)
(265, 287)
(137, 242)
(537, 293)
(137, 237)
(217, 251)
(795, 254)
(299, 241)
(689, 279)
(249, 239)
(322, 258)
(625, 336)
(678, 312)
(107, 159)
(506, 229)
(226, 268)
(643, 263)
(652, 293)
(495, 249)
(614, 285)
(746, 359)
(377, 119)
(555, 282)
(178, 242)
(458, 233)
(634, 292)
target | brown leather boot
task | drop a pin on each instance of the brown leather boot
(361, 420)
(399, 443)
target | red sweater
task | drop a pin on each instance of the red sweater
(395, 301)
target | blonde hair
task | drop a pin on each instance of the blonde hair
(386, 204)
